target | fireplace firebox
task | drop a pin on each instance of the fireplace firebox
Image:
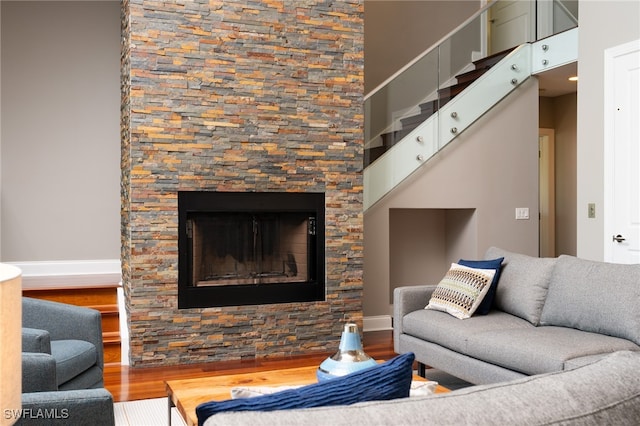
(249, 248)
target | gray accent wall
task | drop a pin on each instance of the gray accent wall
(60, 142)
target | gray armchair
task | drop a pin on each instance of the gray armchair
(62, 366)
(71, 336)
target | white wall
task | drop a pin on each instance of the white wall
(603, 24)
(60, 139)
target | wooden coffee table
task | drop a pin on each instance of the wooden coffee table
(187, 394)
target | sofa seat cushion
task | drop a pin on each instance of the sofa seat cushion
(524, 281)
(541, 349)
(445, 330)
(72, 358)
(604, 297)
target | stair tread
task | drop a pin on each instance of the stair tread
(492, 59)
(472, 75)
(105, 308)
(454, 88)
(394, 137)
(419, 118)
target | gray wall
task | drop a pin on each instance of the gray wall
(60, 141)
(462, 206)
(624, 16)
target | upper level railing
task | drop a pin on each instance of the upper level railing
(421, 102)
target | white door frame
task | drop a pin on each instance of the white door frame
(609, 137)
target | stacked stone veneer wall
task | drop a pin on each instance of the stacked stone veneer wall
(238, 96)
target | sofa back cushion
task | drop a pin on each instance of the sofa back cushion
(523, 283)
(594, 296)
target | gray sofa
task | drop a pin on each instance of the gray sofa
(550, 314)
(606, 392)
(62, 366)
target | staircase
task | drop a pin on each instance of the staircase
(454, 110)
(427, 109)
(103, 299)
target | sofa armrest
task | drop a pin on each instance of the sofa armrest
(407, 300)
(64, 408)
(64, 322)
(36, 340)
(38, 372)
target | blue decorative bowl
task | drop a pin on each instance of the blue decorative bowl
(349, 358)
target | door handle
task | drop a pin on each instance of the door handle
(619, 238)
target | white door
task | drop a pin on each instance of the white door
(512, 24)
(622, 153)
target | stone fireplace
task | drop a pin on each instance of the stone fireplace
(241, 97)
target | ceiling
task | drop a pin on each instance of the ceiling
(555, 82)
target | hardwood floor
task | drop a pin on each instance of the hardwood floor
(129, 384)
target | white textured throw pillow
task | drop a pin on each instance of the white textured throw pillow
(461, 290)
(253, 391)
(418, 388)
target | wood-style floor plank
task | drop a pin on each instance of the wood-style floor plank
(129, 384)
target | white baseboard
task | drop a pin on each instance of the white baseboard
(377, 323)
(69, 273)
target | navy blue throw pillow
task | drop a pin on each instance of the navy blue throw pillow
(389, 380)
(487, 302)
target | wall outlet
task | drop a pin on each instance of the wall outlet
(522, 213)
(592, 211)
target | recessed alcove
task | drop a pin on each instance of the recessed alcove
(424, 242)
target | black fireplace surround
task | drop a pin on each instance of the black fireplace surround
(250, 248)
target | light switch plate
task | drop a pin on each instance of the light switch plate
(522, 213)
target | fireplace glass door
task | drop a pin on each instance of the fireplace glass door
(250, 248)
